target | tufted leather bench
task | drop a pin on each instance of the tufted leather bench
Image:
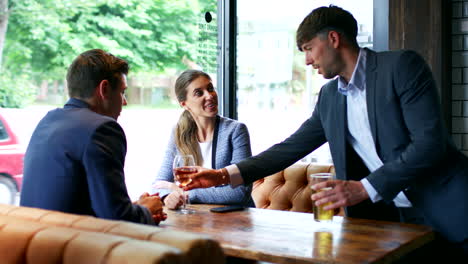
(26, 241)
(288, 189)
(196, 247)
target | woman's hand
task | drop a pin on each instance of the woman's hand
(165, 185)
(174, 200)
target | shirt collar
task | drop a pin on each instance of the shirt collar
(358, 78)
(76, 103)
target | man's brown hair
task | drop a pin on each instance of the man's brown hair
(325, 19)
(90, 68)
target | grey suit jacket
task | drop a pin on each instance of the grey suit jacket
(411, 140)
(231, 144)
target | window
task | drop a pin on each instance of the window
(159, 39)
(276, 92)
(3, 132)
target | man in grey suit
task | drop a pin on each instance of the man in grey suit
(382, 120)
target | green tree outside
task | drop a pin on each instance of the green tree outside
(155, 36)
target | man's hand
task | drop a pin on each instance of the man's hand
(159, 217)
(154, 205)
(208, 178)
(343, 193)
(174, 200)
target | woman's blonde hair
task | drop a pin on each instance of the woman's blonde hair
(186, 129)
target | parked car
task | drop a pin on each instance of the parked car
(11, 163)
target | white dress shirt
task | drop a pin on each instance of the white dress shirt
(359, 134)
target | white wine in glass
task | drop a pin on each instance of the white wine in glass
(183, 166)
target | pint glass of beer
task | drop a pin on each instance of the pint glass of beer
(319, 213)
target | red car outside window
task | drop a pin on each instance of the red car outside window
(11, 163)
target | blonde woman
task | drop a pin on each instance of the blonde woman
(214, 142)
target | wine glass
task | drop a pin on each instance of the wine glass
(183, 166)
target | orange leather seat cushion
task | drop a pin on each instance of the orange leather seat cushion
(288, 189)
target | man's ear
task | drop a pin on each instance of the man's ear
(103, 89)
(334, 38)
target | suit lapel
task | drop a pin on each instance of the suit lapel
(371, 81)
(215, 143)
(340, 136)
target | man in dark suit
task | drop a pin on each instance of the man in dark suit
(381, 118)
(75, 158)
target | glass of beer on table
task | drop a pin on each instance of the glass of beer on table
(319, 213)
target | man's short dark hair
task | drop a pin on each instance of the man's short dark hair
(324, 19)
(90, 68)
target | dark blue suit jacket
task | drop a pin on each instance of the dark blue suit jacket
(74, 164)
(411, 140)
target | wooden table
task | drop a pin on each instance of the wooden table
(290, 237)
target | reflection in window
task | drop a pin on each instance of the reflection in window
(276, 91)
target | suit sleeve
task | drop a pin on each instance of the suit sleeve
(240, 141)
(306, 139)
(103, 159)
(419, 102)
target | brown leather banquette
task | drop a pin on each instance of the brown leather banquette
(288, 189)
